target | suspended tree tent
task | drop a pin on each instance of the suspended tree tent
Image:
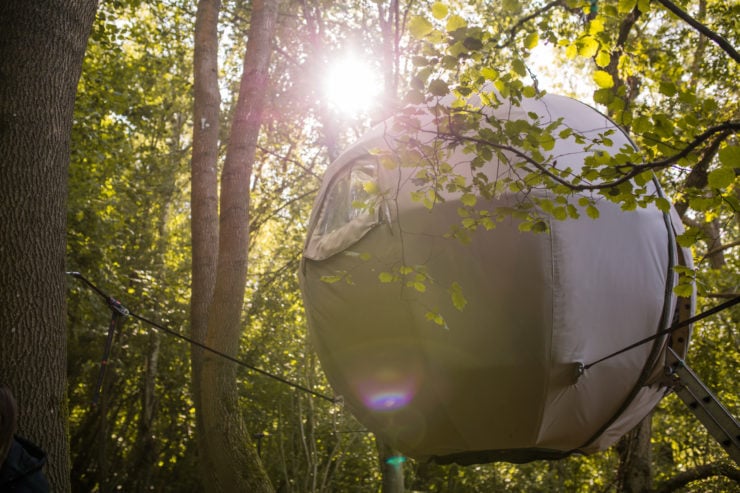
(500, 378)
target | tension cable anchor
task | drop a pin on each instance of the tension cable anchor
(118, 312)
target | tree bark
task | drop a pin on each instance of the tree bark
(635, 461)
(391, 468)
(42, 44)
(226, 445)
(204, 197)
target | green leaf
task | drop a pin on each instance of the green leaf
(531, 40)
(592, 211)
(454, 23)
(457, 296)
(641, 124)
(730, 156)
(540, 227)
(547, 142)
(370, 187)
(626, 6)
(438, 88)
(560, 213)
(603, 58)
(435, 317)
(596, 26)
(489, 73)
(588, 47)
(667, 88)
(603, 96)
(439, 10)
(511, 5)
(420, 27)
(468, 199)
(469, 223)
(571, 51)
(518, 66)
(663, 204)
(721, 177)
(386, 277)
(686, 240)
(603, 79)
(331, 279)
(684, 290)
(419, 286)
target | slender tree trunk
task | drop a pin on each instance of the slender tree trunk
(42, 44)
(204, 197)
(635, 460)
(390, 467)
(225, 442)
(146, 449)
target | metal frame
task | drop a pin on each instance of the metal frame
(715, 417)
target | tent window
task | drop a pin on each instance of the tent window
(351, 196)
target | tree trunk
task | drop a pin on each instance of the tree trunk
(391, 467)
(42, 44)
(635, 461)
(226, 445)
(204, 196)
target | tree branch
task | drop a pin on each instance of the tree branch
(513, 30)
(723, 247)
(719, 40)
(727, 296)
(697, 474)
(724, 129)
(698, 177)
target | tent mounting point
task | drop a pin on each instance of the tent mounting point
(578, 371)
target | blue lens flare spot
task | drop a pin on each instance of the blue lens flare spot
(396, 460)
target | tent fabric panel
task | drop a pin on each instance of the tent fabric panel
(611, 276)
(501, 333)
(644, 402)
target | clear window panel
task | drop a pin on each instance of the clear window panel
(351, 196)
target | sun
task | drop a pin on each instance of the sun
(351, 86)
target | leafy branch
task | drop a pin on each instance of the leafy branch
(697, 474)
(719, 40)
(513, 30)
(631, 169)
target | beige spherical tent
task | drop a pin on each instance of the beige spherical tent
(501, 379)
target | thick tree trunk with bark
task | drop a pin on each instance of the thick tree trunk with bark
(42, 44)
(225, 443)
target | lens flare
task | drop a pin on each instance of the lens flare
(388, 401)
(388, 390)
(396, 460)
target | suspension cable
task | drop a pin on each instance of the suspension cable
(672, 328)
(117, 307)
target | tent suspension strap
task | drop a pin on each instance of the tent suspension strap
(118, 311)
(672, 328)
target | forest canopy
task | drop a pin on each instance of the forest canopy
(666, 72)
